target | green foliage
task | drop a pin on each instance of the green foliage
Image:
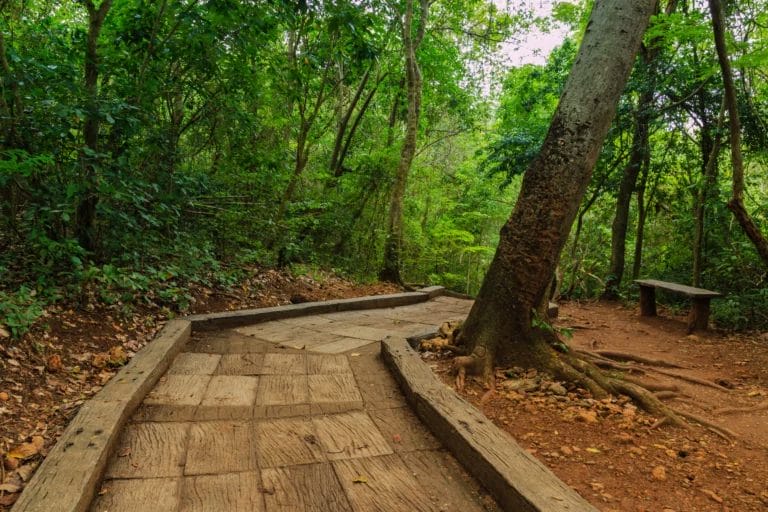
(19, 310)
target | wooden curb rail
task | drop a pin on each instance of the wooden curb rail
(517, 480)
(66, 481)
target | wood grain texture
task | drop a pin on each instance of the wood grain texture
(284, 364)
(68, 477)
(444, 482)
(333, 388)
(682, 289)
(188, 363)
(231, 391)
(178, 390)
(236, 492)
(403, 429)
(309, 488)
(342, 344)
(150, 450)
(327, 364)
(361, 332)
(287, 442)
(515, 478)
(138, 495)
(220, 447)
(282, 390)
(376, 385)
(389, 485)
(240, 364)
(349, 435)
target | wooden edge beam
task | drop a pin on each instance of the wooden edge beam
(229, 319)
(66, 480)
(516, 479)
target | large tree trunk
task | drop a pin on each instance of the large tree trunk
(393, 245)
(499, 326)
(736, 204)
(86, 209)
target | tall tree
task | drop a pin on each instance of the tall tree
(500, 327)
(393, 245)
(736, 204)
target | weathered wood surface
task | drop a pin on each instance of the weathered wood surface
(682, 289)
(150, 450)
(138, 495)
(284, 364)
(327, 364)
(67, 478)
(194, 364)
(226, 492)
(283, 390)
(403, 429)
(516, 479)
(310, 488)
(349, 435)
(241, 364)
(220, 447)
(287, 442)
(250, 316)
(333, 388)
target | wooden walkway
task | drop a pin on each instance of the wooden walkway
(289, 415)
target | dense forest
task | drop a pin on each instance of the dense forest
(149, 145)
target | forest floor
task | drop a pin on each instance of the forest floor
(614, 454)
(73, 352)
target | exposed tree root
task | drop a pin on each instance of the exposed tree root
(738, 410)
(666, 395)
(692, 380)
(623, 356)
(723, 432)
(652, 386)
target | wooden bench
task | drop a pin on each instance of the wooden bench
(698, 318)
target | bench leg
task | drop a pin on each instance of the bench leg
(698, 318)
(647, 301)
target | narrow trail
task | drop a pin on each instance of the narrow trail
(289, 415)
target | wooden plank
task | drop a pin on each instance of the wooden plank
(515, 478)
(698, 317)
(647, 300)
(389, 485)
(214, 493)
(310, 488)
(403, 429)
(284, 364)
(286, 442)
(333, 388)
(229, 319)
(150, 450)
(188, 363)
(240, 364)
(327, 364)
(178, 390)
(68, 477)
(444, 482)
(349, 435)
(360, 331)
(137, 495)
(220, 447)
(376, 385)
(689, 291)
(228, 397)
(282, 390)
(341, 345)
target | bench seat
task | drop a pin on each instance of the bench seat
(698, 318)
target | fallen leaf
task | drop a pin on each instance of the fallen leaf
(27, 450)
(360, 480)
(4, 333)
(593, 450)
(10, 488)
(124, 452)
(9, 499)
(587, 417)
(4, 396)
(53, 363)
(396, 438)
(117, 356)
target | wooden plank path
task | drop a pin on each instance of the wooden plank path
(288, 415)
(290, 409)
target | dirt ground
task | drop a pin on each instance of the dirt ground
(73, 351)
(616, 456)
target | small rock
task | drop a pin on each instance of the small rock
(659, 473)
(558, 389)
(566, 450)
(624, 438)
(4, 397)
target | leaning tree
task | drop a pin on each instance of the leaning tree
(500, 328)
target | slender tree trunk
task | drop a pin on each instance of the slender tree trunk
(341, 130)
(393, 245)
(642, 213)
(736, 204)
(86, 209)
(640, 150)
(499, 325)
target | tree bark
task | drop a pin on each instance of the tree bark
(86, 209)
(499, 326)
(736, 204)
(393, 245)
